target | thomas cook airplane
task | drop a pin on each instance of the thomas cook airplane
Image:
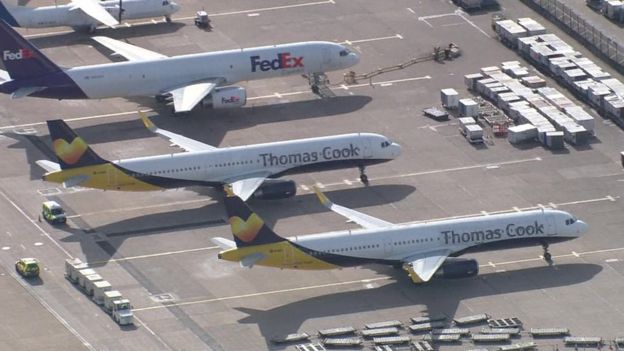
(187, 80)
(85, 13)
(247, 169)
(424, 250)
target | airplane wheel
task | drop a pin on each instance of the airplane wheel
(364, 179)
(168, 19)
(548, 257)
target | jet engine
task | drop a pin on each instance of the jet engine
(274, 189)
(454, 268)
(228, 97)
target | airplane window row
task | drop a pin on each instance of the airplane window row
(407, 242)
(364, 247)
(235, 163)
(167, 171)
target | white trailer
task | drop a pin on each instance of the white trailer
(99, 288)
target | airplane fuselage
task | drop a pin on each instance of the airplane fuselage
(157, 76)
(67, 15)
(219, 166)
(394, 244)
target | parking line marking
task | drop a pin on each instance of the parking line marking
(181, 19)
(160, 254)
(263, 293)
(410, 10)
(350, 42)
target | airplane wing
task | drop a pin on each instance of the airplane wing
(245, 187)
(185, 143)
(422, 266)
(362, 219)
(4, 76)
(48, 166)
(129, 51)
(25, 91)
(185, 98)
(93, 9)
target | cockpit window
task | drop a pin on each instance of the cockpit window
(165, 2)
(344, 52)
(570, 221)
(385, 144)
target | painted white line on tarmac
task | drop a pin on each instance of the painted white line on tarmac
(34, 223)
(138, 208)
(272, 96)
(264, 293)
(349, 42)
(160, 254)
(181, 19)
(353, 282)
(52, 311)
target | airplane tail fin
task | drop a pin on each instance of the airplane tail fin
(247, 227)
(6, 13)
(70, 149)
(21, 59)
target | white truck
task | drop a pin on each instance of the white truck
(122, 312)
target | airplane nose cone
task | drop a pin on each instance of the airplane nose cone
(582, 227)
(354, 59)
(396, 149)
(174, 7)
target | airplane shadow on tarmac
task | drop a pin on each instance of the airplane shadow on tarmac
(121, 33)
(208, 126)
(433, 298)
(111, 236)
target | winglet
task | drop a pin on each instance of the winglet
(322, 198)
(147, 122)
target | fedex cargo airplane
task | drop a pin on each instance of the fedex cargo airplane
(248, 170)
(424, 249)
(187, 80)
(85, 13)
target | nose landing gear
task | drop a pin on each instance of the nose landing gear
(363, 176)
(547, 256)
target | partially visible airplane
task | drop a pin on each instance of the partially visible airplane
(246, 169)
(424, 249)
(85, 13)
(186, 79)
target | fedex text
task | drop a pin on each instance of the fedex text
(283, 61)
(20, 54)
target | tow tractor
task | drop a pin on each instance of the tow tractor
(202, 20)
(53, 212)
(122, 312)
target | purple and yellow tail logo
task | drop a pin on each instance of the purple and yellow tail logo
(246, 231)
(70, 153)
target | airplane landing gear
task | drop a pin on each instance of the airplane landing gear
(547, 255)
(168, 19)
(363, 176)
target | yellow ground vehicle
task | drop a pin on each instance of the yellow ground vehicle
(27, 267)
(53, 212)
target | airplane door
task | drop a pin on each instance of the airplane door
(387, 244)
(326, 60)
(551, 227)
(367, 150)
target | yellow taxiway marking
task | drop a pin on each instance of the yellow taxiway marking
(178, 19)
(263, 293)
(353, 282)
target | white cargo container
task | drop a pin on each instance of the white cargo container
(533, 82)
(468, 108)
(581, 117)
(612, 8)
(509, 32)
(450, 98)
(109, 297)
(473, 133)
(99, 288)
(90, 281)
(464, 121)
(82, 276)
(521, 133)
(554, 140)
(471, 80)
(72, 266)
(532, 26)
(575, 134)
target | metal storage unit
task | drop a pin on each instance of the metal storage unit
(521, 133)
(450, 98)
(468, 108)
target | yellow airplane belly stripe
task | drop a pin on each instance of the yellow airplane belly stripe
(104, 176)
(281, 255)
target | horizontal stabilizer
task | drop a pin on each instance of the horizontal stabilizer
(75, 181)
(25, 91)
(223, 243)
(49, 166)
(250, 260)
(4, 76)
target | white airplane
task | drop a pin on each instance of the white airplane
(85, 13)
(424, 250)
(186, 79)
(246, 169)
